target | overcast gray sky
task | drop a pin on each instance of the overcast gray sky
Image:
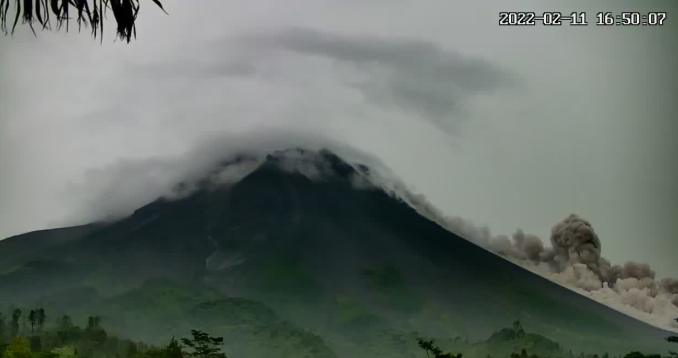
(509, 127)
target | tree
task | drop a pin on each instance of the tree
(635, 355)
(3, 329)
(17, 348)
(93, 322)
(173, 350)
(64, 327)
(518, 329)
(96, 335)
(16, 315)
(204, 346)
(33, 319)
(673, 339)
(132, 350)
(65, 323)
(89, 12)
(427, 345)
(41, 318)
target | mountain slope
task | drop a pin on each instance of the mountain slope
(302, 235)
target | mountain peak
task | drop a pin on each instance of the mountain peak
(276, 174)
(320, 165)
(316, 165)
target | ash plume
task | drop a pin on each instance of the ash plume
(529, 245)
(574, 260)
(669, 285)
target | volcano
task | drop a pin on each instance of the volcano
(306, 246)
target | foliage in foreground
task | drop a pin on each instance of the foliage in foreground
(66, 340)
(93, 342)
(434, 351)
(89, 12)
(673, 339)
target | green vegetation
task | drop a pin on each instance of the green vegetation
(673, 339)
(351, 315)
(159, 310)
(392, 290)
(285, 277)
(515, 339)
(434, 351)
(284, 283)
(202, 344)
(68, 340)
(64, 339)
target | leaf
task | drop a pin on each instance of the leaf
(55, 7)
(157, 2)
(38, 12)
(18, 12)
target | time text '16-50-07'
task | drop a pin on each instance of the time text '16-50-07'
(555, 18)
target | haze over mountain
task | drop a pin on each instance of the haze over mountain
(329, 246)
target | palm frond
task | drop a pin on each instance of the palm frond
(89, 13)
